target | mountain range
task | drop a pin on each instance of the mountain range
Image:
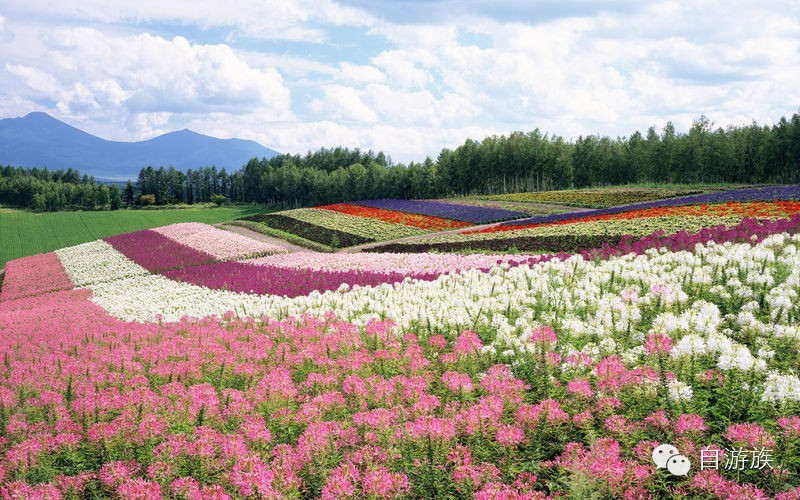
(39, 140)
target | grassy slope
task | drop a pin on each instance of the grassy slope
(25, 233)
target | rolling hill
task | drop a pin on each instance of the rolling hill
(39, 140)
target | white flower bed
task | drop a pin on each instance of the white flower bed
(97, 262)
(598, 307)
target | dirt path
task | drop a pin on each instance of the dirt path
(290, 247)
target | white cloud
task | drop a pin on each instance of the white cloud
(5, 34)
(149, 74)
(344, 103)
(38, 80)
(408, 88)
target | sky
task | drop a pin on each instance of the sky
(406, 77)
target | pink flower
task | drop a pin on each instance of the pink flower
(467, 342)
(690, 423)
(543, 335)
(547, 411)
(341, 483)
(580, 387)
(139, 489)
(381, 483)
(790, 426)
(438, 342)
(583, 418)
(510, 435)
(658, 344)
(658, 419)
(751, 435)
(456, 381)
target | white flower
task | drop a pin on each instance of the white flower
(679, 391)
(689, 345)
(779, 388)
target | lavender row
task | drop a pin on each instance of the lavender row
(474, 214)
(155, 252)
(248, 278)
(771, 193)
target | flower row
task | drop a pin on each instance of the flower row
(759, 209)
(775, 193)
(426, 222)
(596, 198)
(360, 226)
(466, 213)
(330, 237)
(221, 245)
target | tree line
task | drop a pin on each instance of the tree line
(54, 190)
(510, 163)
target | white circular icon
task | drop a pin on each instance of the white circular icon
(662, 453)
(678, 465)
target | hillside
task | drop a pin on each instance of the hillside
(39, 140)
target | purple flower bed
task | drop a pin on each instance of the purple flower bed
(750, 230)
(249, 278)
(155, 252)
(476, 215)
(734, 195)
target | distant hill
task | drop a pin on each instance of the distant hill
(39, 140)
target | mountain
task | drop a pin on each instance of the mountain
(39, 140)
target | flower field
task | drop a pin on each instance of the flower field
(184, 363)
(594, 198)
(348, 224)
(572, 232)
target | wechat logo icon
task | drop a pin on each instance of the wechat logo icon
(667, 457)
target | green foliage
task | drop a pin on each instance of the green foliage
(218, 200)
(147, 199)
(25, 233)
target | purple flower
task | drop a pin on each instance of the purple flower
(476, 215)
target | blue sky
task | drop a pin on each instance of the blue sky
(407, 77)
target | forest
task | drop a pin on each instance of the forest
(516, 162)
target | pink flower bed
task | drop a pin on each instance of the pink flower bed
(313, 407)
(34, 275)
(223, 245)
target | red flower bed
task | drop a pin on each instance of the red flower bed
(757, 209)
(414, 220)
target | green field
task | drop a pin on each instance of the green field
(26, 233)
